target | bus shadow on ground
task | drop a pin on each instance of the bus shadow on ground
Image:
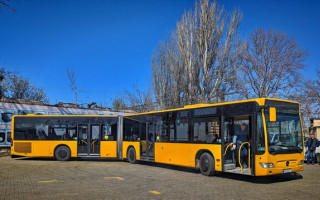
(73, 159)
(262, 179)
(239, 177)
(171, 167)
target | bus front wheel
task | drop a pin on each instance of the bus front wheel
(62, 153)
(207, 164)
(132, 155)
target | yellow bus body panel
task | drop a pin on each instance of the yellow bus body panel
(108, 149)
(279, 161)
(41, 148)
(173, 153)
(127, 144)
(184, 154)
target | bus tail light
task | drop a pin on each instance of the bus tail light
(266, 165)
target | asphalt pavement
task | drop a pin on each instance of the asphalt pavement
(40, 178)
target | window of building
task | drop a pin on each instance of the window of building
(8, 136)
(2, 137)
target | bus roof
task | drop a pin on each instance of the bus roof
(260, 101)
(34, 115)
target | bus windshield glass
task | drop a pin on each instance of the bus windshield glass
(285, 135)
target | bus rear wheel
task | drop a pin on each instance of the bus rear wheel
(132, 155)
(62, 153)
(207, 164)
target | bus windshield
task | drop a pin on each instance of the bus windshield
(284, 135)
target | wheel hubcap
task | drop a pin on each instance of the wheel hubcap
(62, 153)
(131, 156)
(205, 164)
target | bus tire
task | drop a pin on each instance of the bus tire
(207, 164)
(132, 155)
(62, 153)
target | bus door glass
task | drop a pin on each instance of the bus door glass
(142, 138)
(95, 139)
(83, 139)
(150, 139)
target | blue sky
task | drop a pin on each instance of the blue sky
(109, 43)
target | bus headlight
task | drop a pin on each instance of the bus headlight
(266, 165)
(301, 162)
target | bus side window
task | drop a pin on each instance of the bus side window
(42, 132)
(107, 132)
(206, 130)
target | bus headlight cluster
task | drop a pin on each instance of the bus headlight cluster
(266, 165)
(301, 162)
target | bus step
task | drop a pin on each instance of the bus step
(89, 156)
(237, 170)
(230, 166)
(145, 158)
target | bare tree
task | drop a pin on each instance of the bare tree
(73, 84)
(312, 90)
(139, 100)
(15, 86)
(270, 64)
(197, 64)
(168, 76)
(4, 5)
(119, 104)
(308, 95)
(3, 74)
(19, 88)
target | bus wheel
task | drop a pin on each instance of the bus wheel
(132, 155)
(207, 164)
(62, 153)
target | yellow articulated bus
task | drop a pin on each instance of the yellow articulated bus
(64, 137)
(255, 137)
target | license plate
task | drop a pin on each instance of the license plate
(286, 171)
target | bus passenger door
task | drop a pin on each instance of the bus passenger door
(88, 140)
(237, 151)
(147, 145)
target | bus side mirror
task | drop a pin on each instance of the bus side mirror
(272, 114)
